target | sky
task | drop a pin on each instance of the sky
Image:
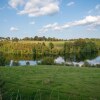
(66, 19)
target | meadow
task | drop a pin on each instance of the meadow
(57, 44)
(44, 82)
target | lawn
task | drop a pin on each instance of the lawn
(51, 83)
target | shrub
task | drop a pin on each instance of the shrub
(2, 59)
(69, 64)
(77, 65)
(86, 64)
(51, 45)
(27, 63)
(15, 63)
(98, 65)
(47, 61)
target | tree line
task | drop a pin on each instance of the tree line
(36, 38)
(43, 38)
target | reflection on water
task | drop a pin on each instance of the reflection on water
(81, 57)
(24, 62)
(58, 60)
(18, 57)
(94, 61)
(22, 59)
(70, 56)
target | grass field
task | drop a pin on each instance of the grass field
(51, 83)
(56, 43)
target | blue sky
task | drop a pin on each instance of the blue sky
(51, 18)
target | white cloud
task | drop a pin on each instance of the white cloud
(86, 21)
(15, 3)
(51, 25)
(32, 23)
(13, 29)
(36, 7)
(89, 21)
(48, 27)
(70, 3)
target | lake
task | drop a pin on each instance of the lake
(93, 58)
(94, 61)
(58, 60)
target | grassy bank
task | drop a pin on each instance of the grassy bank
(51, 83)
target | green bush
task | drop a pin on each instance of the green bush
(16, 63)
(86, 64)
(48, 61)
(2, 59)
(98, 65)
(27, 63)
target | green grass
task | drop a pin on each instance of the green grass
(51, 83)
(56, 43)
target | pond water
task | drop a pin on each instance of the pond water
(25, 62)
(30, 62)
(58, 60)
(94, 61)
(92, 58)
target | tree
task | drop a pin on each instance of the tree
(51, 45)
(85, 49)
(65, 56)
(36, 38)
(8, 38)
(2, 59)
(34, 53)
(48, 61)
(43, 44)
(15, 39)
(44, 38)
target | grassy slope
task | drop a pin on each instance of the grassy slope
(52, 82)
(56, 82)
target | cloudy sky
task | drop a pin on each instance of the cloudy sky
(51, 18)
